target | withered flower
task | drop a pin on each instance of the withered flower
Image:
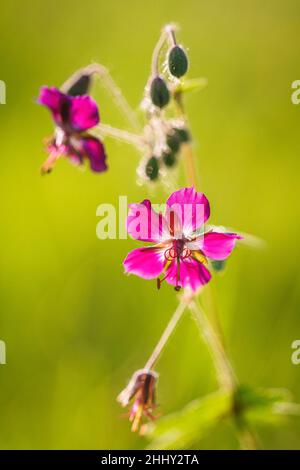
(141, 392)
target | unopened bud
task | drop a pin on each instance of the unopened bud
(81, 86)
(152, 168)
(169, 159)
(218, 265)
(173, 142)
(182, 134)
(178, 61)
(159, 92)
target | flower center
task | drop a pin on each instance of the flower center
(178, 250)
(176, 253)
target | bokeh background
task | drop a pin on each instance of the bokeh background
(75, 327)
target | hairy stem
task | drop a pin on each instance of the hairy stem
(215, 341)
(214, 315)
(170, 30)
(187, 149)
(103, 130)
(156, 52)
(225, 373)
(166, 335)
(246, 437)
(189, 164)
(111, 86)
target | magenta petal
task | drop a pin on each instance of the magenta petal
(218, 245)
(144, 224)
(56, 101)
(83, 113)
(95, 151)
(192, 274)
(192, 209)
(146, 262)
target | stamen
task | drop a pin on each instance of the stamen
(49, 162)
(158, 280)
(172, 223)
(170, 254)
(178, 287)
(186, 253)
(137, 418)
(199, 256)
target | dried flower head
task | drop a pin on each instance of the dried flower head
(141, 391)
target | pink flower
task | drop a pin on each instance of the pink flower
(182, 248)
(73, 117)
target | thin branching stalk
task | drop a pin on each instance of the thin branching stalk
(156, 53)
(189, 163)
(246, 437)
(170, 30)
(105, 130)
(225, 374)
(112, 88)
(166, 334)
(215, 341)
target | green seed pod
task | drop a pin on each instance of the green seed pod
(218, 265)
(169, 159)
(152, 168)
(173, 142)
(178, 61)
(159, 92)
(183, 135)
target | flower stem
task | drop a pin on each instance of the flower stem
(170, 30)
(119, 134)
(225, 374)
(215, 342)
(168, 33)
(166, 335)
(189, 164)
(187, 149)
(111, 86)
(156, 53)
(246, 437)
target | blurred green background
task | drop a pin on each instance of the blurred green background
(75, 327)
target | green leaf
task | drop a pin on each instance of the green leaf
(180, 430)
(269, 406)
(194, 84)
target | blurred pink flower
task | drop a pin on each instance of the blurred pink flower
(73, 116)
(181, 248)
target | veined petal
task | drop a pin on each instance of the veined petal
(57, 102)
(144, 224)
(192, 274)
(146, 262)
(192, 209)
(95, 152)
(218, 246)
(83, 113)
